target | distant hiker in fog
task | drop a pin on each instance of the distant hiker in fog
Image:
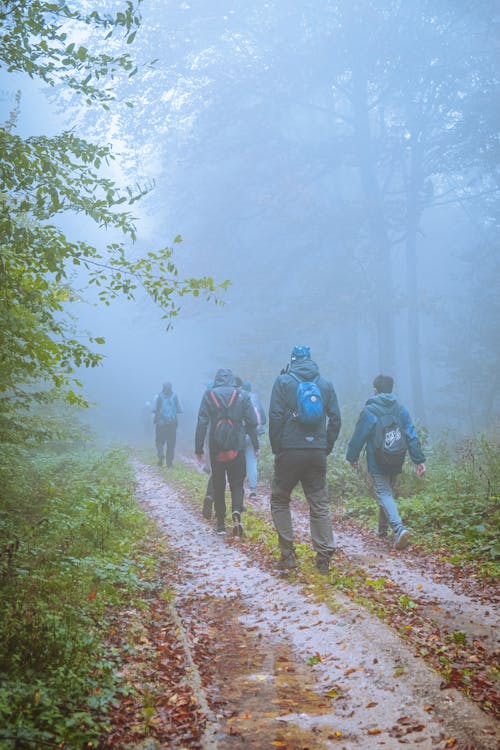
(250, 454)
(227, 413)
(167, 408)
(386, 429)
(147, 419)
(304, 423)
(208, 500)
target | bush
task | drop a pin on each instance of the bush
(69, 523)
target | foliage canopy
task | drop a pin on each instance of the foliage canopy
(42, 180)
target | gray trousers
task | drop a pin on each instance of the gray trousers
(307, 466)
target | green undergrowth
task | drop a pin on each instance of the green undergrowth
(71, 535)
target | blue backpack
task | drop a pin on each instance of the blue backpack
(309, 401)
(168, 412)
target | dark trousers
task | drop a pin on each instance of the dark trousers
(166, 434)
(307, 466)
(235, 471)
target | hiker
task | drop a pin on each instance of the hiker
(147, 419)
(304, 423)
(386, 429)
(227, 413)
(167, 407)
(250, 455)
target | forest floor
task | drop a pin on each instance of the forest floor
(228, 653)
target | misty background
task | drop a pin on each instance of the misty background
(339, 163)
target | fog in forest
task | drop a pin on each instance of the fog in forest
(339, 164)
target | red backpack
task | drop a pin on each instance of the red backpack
(225, 433)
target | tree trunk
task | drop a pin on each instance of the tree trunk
(383, 302)
(413, 213)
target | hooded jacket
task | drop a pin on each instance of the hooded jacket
(364, 433)
(241, 412)
(285, 432)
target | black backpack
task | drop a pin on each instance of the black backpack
(389, 443)
(225, 433)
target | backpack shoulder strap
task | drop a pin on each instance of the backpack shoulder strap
(215, 400)
(220, 404)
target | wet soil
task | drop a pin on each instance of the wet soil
(276, 668)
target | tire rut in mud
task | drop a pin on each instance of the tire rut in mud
(357, 685)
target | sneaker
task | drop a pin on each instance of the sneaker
(160, 462)
(383, 534)
(323, 565)
(237, 526)
(207, 508)
(287, 562)
(402, 539)
(252, 494)
(221, 530)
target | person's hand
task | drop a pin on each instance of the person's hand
(420, 469)
(199, 458)
(354, 464)
(257, 453)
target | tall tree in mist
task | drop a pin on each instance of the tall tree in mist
(325, 135)
(44, 178)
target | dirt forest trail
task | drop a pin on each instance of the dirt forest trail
(276, 667)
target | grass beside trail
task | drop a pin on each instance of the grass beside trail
(71, 560)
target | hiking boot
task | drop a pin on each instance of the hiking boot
(383, 534)
(237, 526)
(323, 565)
(402, 539)
(207, 508)
(287, 562)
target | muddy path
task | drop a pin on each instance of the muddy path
(278, 668)
(458, 603)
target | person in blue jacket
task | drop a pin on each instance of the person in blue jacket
(250, 455)
(382, 404)
(167, 407)
(300, 452)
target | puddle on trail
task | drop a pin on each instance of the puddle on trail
(260, 690)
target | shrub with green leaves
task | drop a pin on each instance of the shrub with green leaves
(70, 529)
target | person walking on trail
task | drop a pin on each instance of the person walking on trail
(227, 413)
(167, 407)
(304, 423)
(250, 454)
(386, 429)
(147, 419)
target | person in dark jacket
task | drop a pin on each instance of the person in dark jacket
(300, 453)
(384, 403)
(167, 407)
(240, 410)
